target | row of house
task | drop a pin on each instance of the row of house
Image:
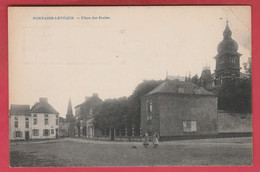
(41, 121)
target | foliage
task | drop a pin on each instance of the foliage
(122, 112)
(195, 80)
(111, 113)
(236, 96)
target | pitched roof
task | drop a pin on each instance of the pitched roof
(43, 107)
(172, 87)
(91, 101)
(20, 110)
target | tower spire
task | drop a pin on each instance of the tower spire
(227, 32)
(69, 111)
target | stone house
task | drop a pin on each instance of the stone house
(177, 108)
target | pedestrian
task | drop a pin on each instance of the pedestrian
(155, 141)
(145, 140)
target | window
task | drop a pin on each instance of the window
(26, 118)
(57, 122)
(16, 118)
(46, 121)
(149, 117)
(16, 124)
(34, 115)
(18, 134)
(27, 124)
(180, 90)
(52, 131)
(46, 132)
(34, 121)
(189, 126)
(46, 115)
(150, 110)
(150, 106)
(35, 132)
(57, 116)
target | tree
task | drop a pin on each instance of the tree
(134, 106)
(195, 80)
(111, 114)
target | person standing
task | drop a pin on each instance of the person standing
(145, 140)
(155, 141)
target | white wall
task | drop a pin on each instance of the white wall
(21, 127)
(41, 126)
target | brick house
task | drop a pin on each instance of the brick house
(84, 116)
(177, 108)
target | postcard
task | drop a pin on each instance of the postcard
(130, 86)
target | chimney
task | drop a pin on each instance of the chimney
(43, 100)
(95, 94)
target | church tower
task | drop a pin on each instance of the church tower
(69, 114)
(227, 59)
(70, 120)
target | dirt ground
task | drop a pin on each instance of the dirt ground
(73, 152)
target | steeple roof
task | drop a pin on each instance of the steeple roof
(227, 32)
(227, 45)
(69, 110)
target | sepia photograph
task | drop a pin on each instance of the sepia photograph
(130, 86)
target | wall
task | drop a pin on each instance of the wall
(21, 126)
(154, 125)
(234, 122)
(41, 126)
(176, 108)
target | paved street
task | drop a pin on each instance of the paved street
(71, 152)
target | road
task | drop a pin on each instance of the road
(73, 152)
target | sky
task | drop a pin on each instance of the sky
(62, 59)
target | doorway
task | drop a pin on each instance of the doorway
(27, 137)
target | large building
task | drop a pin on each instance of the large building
(177, 108)
(84, 116)
(41, 122)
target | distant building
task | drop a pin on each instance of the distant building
(41, 122)
(84, 116)
(177, 108)
(20, 122)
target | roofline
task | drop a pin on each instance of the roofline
(182, 94)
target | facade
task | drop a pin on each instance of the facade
(45, 120)
(41, 122)
(177, 108)
(84, 117)
(19, 122)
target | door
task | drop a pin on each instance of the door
(27, 135)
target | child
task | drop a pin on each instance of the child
(145, 140)
(155, 140)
